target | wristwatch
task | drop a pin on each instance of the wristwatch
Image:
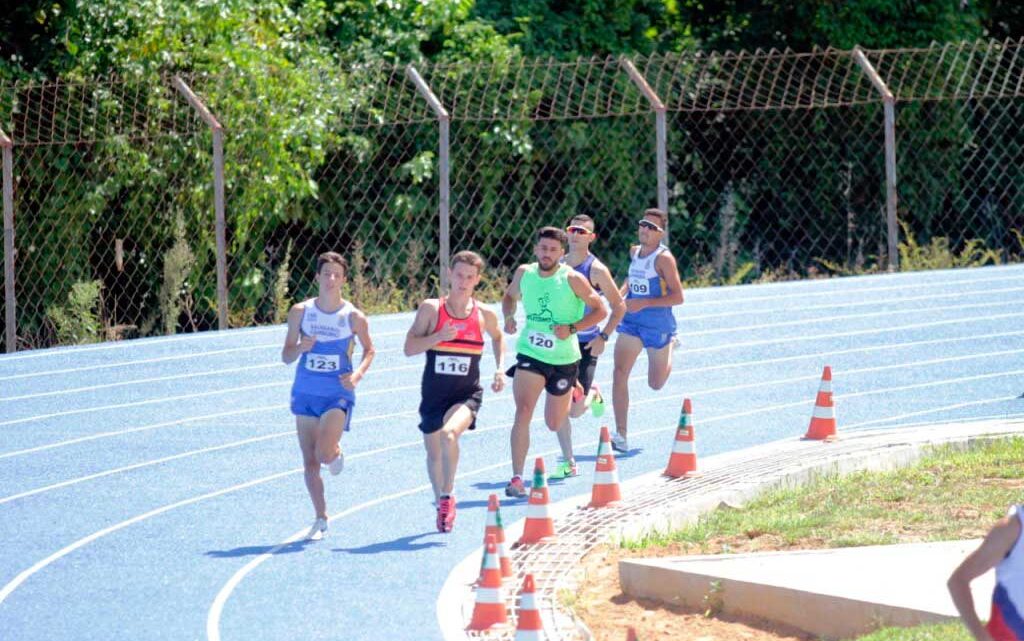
(603, 335)
(572, 328)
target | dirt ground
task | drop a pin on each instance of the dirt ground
(607, 611)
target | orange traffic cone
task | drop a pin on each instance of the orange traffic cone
(606, 476)
(495, 528)
(489, 610)
(539, 525)
(823, 420)
(631, 634)
(683, 460)
(528, 624)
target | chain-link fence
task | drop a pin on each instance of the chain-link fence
(123, 197)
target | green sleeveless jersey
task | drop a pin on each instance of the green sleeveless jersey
(549, 301)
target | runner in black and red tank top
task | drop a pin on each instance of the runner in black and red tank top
(451, 332)
(452, 372)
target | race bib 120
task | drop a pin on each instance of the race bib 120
(540, 340)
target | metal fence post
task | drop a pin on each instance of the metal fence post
(661, 129)
(889, 105)
(444, 122)
(10, 322)
(218, 197)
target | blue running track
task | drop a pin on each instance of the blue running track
(146, 487)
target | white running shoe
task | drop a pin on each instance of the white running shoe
(619, 443)
(317, 531)
(337, 464)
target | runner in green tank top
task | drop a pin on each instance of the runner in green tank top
(554, 296)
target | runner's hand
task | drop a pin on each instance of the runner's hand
(446, 333)
(634, 305)
(349, 380)
(562, 331)
(596, 346)
(510, 325)
(498, 383)
(306, 343)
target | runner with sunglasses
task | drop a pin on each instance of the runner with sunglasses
(580, 229)
(451, 331)
(652, 289)
(554, 297)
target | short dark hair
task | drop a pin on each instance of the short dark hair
(331, 257)
(552, 232)
(582, 217)
(470, 258)
(661, 215)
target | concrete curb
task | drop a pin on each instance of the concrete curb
(731, 478)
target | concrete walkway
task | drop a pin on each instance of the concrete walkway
(839, 593)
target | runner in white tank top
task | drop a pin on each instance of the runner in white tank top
(320, 333)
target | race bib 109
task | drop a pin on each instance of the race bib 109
(640, 286)
(451, 365)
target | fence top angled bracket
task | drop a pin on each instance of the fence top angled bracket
(641, 84)
(196, 103)
(873, 76)
(5, 142)
(428, 94)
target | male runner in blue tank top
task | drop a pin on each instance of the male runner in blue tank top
(451, 331)
(320, 333)
(651, 290)
(580, 230)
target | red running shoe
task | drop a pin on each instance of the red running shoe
(446, 513)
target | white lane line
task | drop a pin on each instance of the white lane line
(846, 317)
(678, 354)
(714, 390)
(143, 428)
(947, 278)
(175, 457)
(805, 308)
(680, 317)
(933, 410)
(144, 361)
(140, 344)
(10, 587)
(733, 345)
(173, 377)
(165, 399)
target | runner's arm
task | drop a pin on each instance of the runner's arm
(510, 300)
(361, 329)
(493, 330)
(993, 549)
(591, 298)
(606, 283)
(419, 338)
(294, 343)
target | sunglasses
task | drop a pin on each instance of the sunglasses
(577, 229)
(648, 225)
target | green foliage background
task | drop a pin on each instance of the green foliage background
(282, 77)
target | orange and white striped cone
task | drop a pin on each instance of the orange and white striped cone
(606, 475)
(539, 527)
(528, 623)
(495, 528)
(489, 610)
(683, 460)
(823, 420)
